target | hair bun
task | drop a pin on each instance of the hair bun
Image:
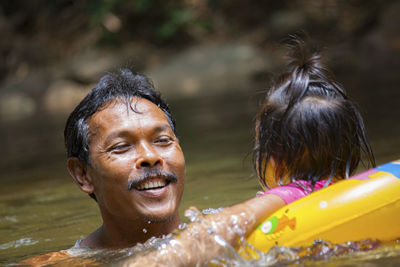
(305, 68)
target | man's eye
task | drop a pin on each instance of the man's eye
(163, 140)
(119, 147)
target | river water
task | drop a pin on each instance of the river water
(42, 210)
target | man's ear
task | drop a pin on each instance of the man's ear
(77, 169)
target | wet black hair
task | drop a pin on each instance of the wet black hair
(123, 85)
(308, 125)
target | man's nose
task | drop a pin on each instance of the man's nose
(147, 156)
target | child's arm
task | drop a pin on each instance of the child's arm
(205, 238)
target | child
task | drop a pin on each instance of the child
(308, 133)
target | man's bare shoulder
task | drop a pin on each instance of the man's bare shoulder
(45, 259)
(59, 258)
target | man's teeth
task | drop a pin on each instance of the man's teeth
(151, 185)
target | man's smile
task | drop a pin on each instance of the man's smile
(152, 180)
(152, 184)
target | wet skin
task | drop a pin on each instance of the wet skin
(136, 171)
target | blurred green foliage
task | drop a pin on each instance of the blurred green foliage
(99, 9)
(39, 31)
(156, 20)
(177, 21)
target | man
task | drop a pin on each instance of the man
(123, 151)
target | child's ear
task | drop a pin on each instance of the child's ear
(77, 169)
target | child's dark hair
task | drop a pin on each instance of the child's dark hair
(308, 126)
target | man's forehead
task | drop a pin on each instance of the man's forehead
(121, 111)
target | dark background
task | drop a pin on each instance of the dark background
(51, 53)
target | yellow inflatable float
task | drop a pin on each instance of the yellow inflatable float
(365, 206)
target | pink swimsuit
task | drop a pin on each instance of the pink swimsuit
(295, 191)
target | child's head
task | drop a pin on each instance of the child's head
(307, 128)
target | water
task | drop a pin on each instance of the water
(42, 210)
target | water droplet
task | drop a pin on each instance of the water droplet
(144, 230)
(182, 226)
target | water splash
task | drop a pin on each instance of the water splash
(204, 236)
(171, 251)
(323, 252)
(319, 253)
(26, 241)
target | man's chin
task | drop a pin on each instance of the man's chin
(161, 213)
(161, 218)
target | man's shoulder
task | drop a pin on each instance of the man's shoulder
(45, 259)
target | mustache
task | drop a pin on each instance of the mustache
(148, 174)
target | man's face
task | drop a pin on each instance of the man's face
(137, 165)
